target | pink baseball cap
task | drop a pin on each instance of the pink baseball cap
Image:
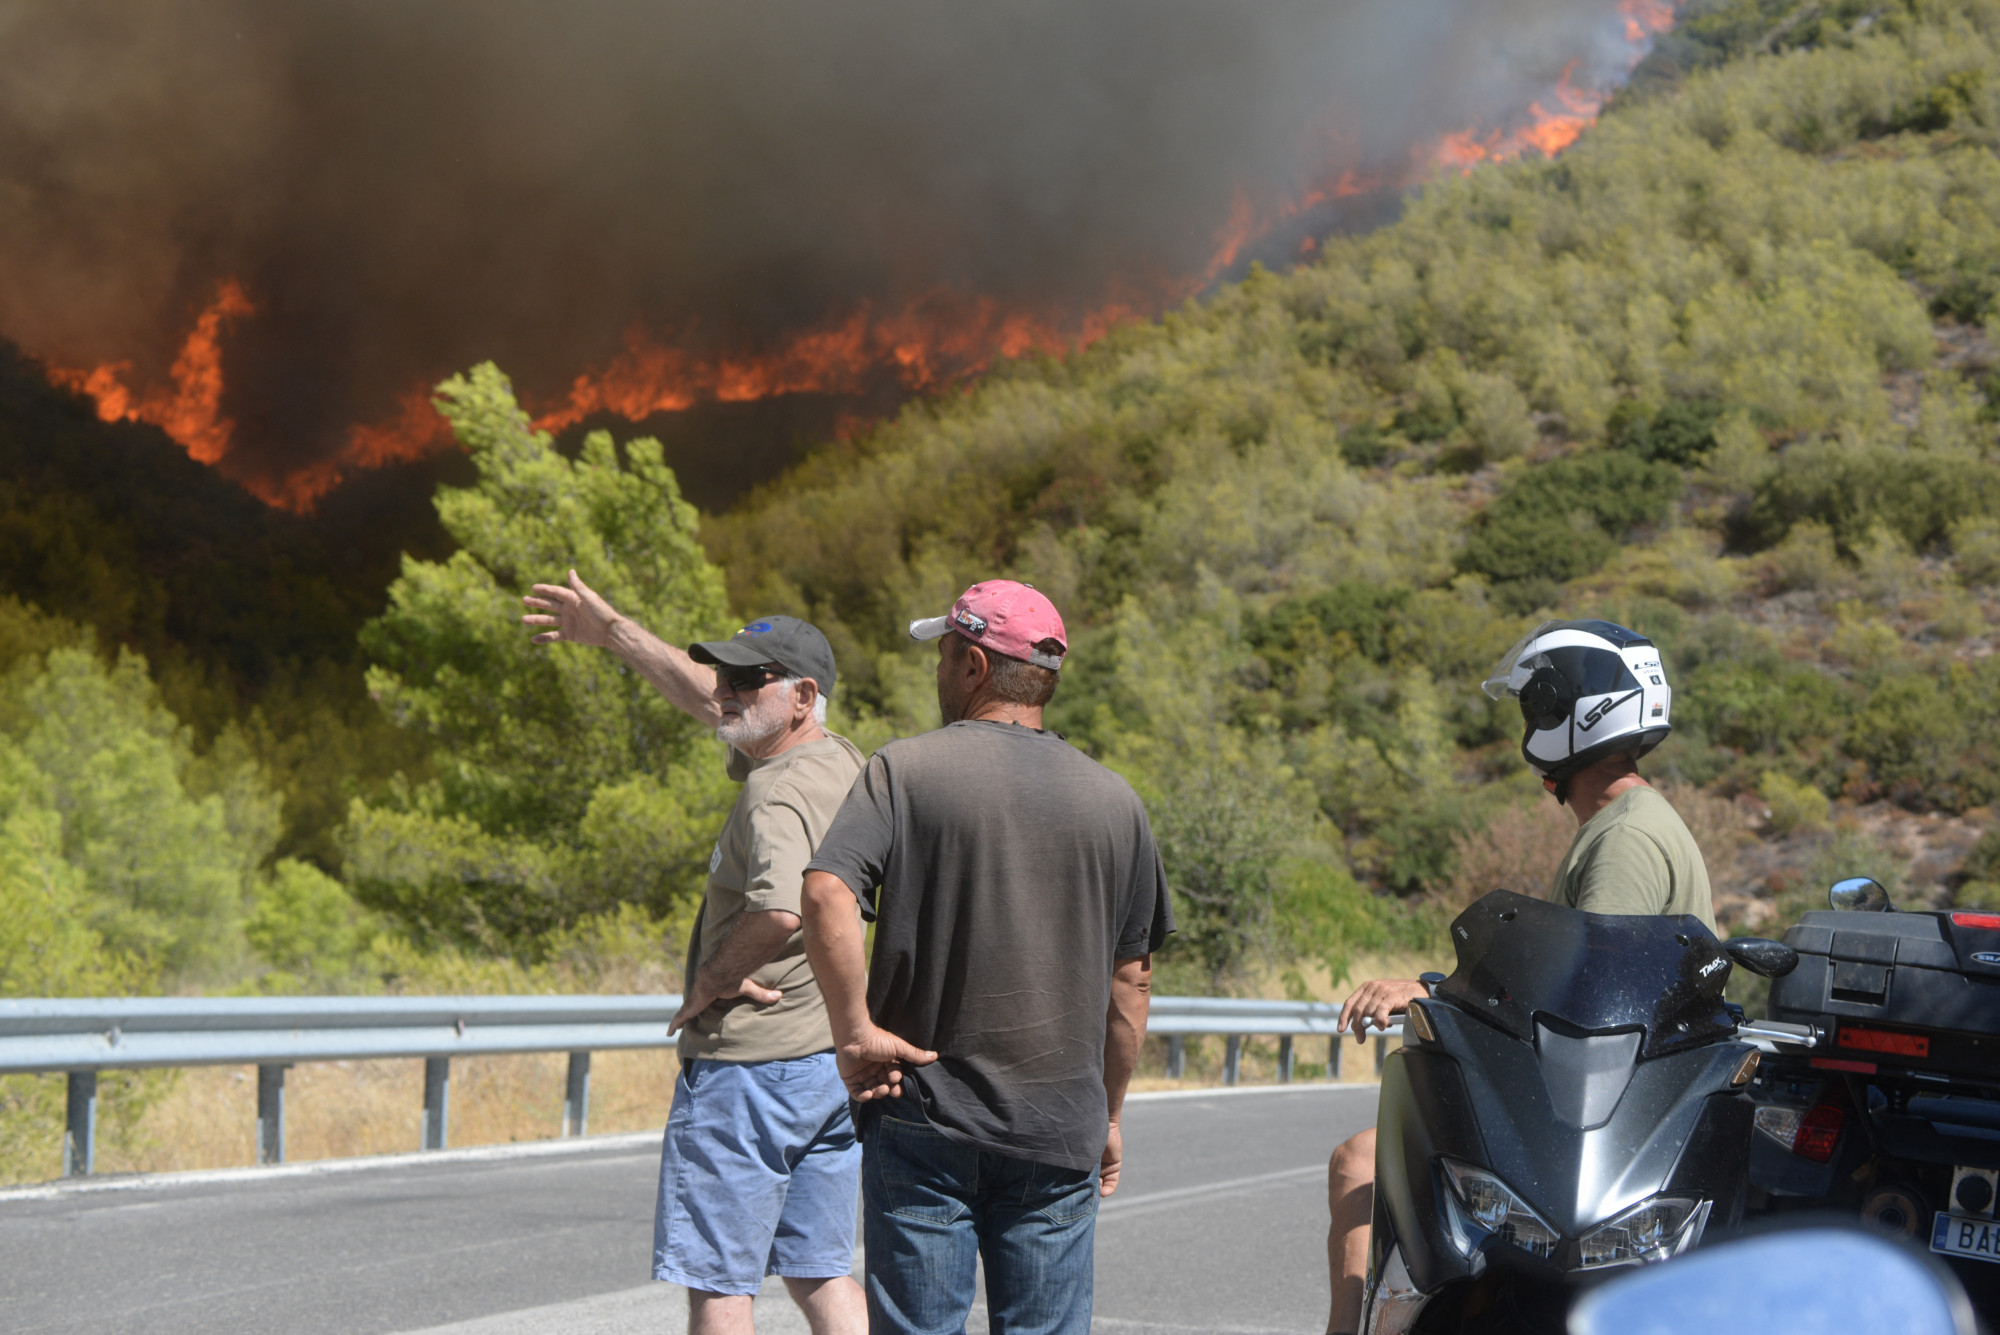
(1006, 617)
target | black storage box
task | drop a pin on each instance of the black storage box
(1915, 990)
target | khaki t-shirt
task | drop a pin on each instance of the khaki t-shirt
(1635, 856)
(759, 864)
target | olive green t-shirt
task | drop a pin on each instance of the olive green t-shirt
(1635, 856)
(759, 866)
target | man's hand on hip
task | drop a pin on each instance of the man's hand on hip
(1376, 1002)
(871, 1064)
(703, 995)
(580, 615)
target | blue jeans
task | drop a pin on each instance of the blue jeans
(932, 1208)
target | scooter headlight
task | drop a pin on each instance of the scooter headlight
(1485, 1206)
(1652, 1230)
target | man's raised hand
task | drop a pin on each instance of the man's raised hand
(580, 616)
(1375, 1002)
(872, 1065)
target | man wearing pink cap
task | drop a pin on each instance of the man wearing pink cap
(1017, 897)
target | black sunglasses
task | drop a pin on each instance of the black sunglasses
(744, 680)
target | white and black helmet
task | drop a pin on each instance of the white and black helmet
(1588, 689)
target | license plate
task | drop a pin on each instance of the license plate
(1975, 1239)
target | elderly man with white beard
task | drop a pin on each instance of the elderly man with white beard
(760, 1170)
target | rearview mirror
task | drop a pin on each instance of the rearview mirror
(1859, 894)
(1808, 1280)
(1766, 959)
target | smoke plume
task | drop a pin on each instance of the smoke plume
(399, 190)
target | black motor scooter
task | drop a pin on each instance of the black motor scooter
(1568, 1102)
(1894, 1113)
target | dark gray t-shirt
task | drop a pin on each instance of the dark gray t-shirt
(1006, 873)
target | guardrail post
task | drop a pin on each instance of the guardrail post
(576, 1094)
(1381, 1052)
(1285, 1060)
(1176, 1056)
(1232, 1059)
(1335, 1050)
(437, 1098)
(271, 1112)
(80, 1127)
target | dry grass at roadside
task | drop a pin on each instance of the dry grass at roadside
(344, 1109)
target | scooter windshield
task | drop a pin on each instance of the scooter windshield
(1521, 960)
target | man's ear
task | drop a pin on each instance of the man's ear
(806, 695)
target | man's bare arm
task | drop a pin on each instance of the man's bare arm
(1379, 1001)
(751, 941)
(581, 616)
(871, 1059)
(1124, 1033)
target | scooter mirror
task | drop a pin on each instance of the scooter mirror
(1800, 1282)
(1859, 894)
(1766, 959)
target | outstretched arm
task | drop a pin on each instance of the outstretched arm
(1124, 1033)
(871, 1059)
(581, 616)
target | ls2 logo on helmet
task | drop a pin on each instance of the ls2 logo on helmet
(1600, 709)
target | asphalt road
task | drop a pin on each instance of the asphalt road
(1218, 1227)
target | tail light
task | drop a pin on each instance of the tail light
(1811, 1136)
(1883, 1040)
(1989, 921)
(1819, 1132)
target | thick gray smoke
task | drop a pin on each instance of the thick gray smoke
(406, 188)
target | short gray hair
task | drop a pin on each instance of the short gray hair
(819, 701)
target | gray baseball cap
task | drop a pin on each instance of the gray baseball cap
(794, 645)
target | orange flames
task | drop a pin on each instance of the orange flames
(1644, 18)
(191, 412)
(1550, 132)
(934, 339)
(931, 342)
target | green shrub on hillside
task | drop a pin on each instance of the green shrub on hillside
(166, 845)
(1680, 432)
(565, 784)
(1563, 520)
(1852, 487)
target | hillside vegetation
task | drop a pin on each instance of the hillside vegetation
(1723, 372)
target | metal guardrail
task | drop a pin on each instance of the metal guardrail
(83, 1036)
(1233, 1017)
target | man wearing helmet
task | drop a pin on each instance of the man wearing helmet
(1594, 699)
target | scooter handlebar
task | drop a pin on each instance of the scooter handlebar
(1777, 1031)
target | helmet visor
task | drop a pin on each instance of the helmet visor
(1511, 673)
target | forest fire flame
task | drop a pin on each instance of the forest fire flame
(940, 338)
(190, 412)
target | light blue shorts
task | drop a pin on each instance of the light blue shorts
(759, 1175)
